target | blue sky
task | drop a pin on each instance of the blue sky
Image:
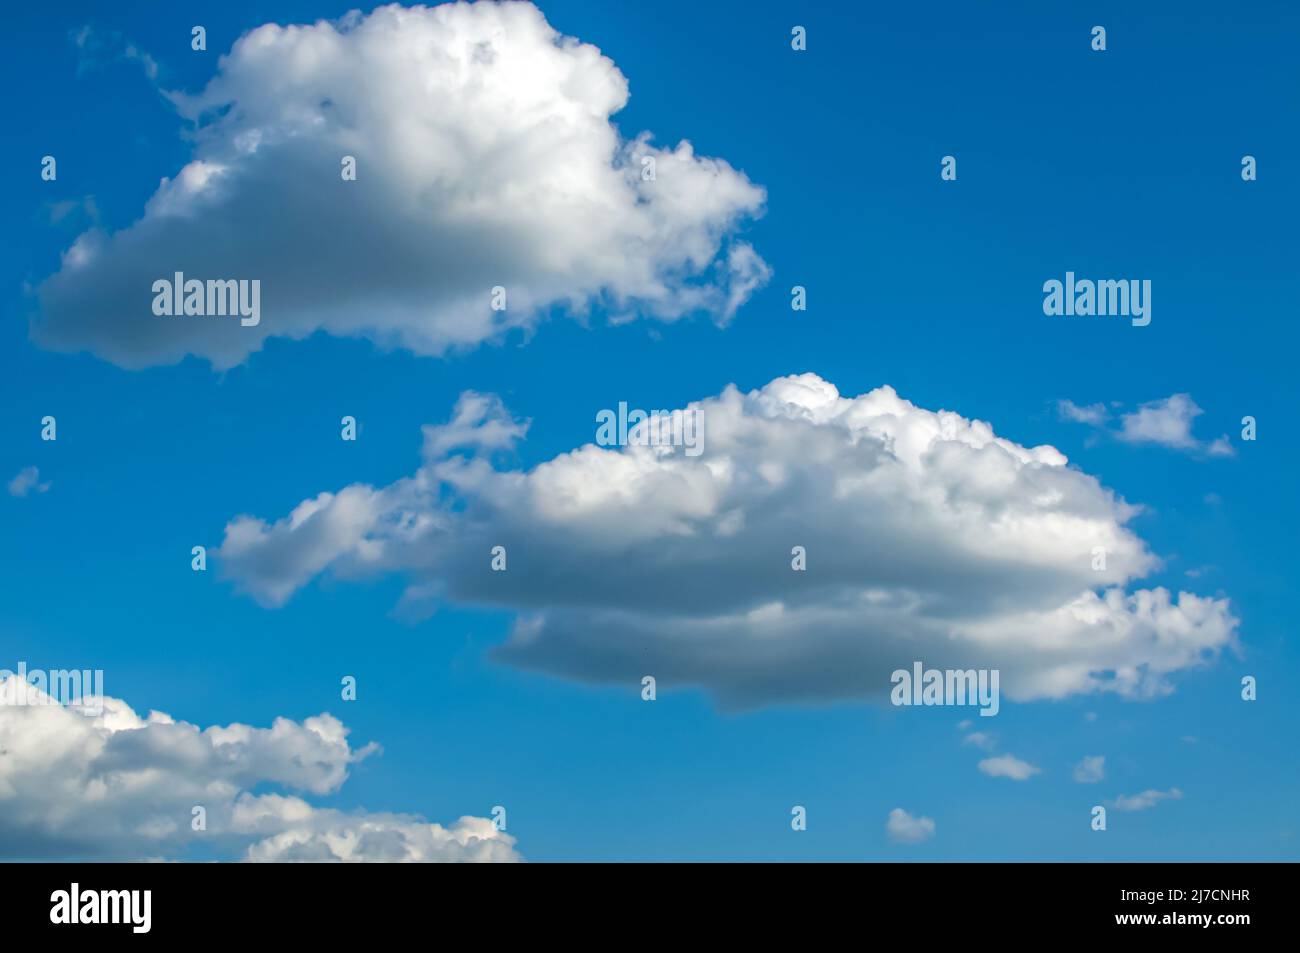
(1123, 163)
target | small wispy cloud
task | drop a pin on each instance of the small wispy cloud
(97, 48)
(1165, 423)
(78, 210)
(1091, 769)
(27, 481)
(976, 739)
(1147, 799)
(1168, 423)
(1094, 414)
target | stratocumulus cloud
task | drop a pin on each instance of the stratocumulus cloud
(486, 157)
(927, 537)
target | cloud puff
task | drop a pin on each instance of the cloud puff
(1166, 423)
(1008, 766)
(118, 786)
(486, 156)
(1091, 769)
(26, 481)
(927, 537)
(906, 829)
(1093, 414)
(479, 421)
(1147, 799)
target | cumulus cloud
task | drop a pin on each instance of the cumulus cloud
(119, 786)
(927, 537)
(903, 828)
(1165, 423)
(1091, 769)
(1008, 766)
(1147, 799)
(486, 156)
(27, 480)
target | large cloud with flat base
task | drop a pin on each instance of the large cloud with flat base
(927, 537)
(116, 786)
(486, 156)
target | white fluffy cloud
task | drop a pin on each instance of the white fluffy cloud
(928, 537)
(1008, 766)
(119, 786)
(486, 156)
(906, 829)
(292, 830)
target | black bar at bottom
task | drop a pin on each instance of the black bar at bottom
(657, 902)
